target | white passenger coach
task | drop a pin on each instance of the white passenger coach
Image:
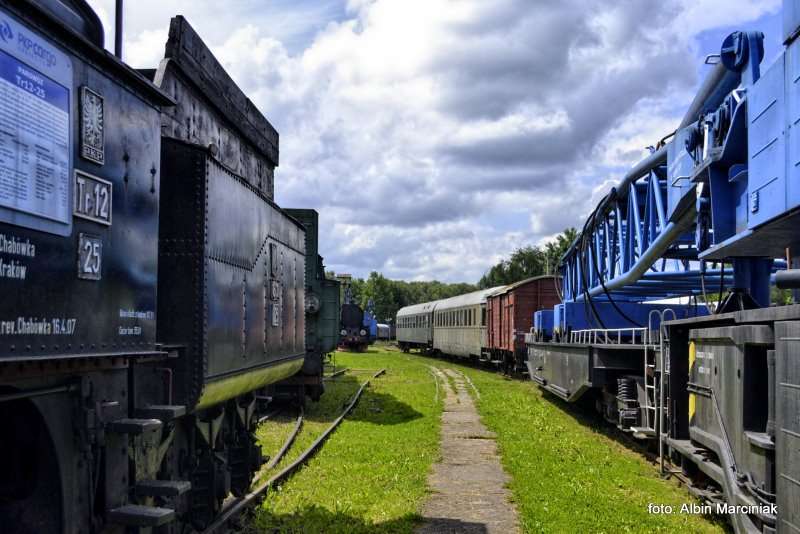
(459, 324)
(455, 326)
(415, 326)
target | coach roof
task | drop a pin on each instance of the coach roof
(469, 299)
(425, 307)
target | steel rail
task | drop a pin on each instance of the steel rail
(236, 507)
(270, 415)
(288, 443)
(334, 375)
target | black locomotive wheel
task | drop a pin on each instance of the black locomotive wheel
(30, 485)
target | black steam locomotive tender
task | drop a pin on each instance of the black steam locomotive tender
(151, 287)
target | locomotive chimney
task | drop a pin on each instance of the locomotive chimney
(118, 29)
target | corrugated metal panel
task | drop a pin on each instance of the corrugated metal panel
(787, 397)
(793, 119)
(766, 147)
(511, 311)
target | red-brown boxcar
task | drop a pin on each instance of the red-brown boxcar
(510, 316)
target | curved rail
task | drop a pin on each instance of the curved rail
(242, 503)
(270, 415)
(288, 443)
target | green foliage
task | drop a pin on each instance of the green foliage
(529, 261)
(388, 296)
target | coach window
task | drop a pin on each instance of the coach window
(483, 316)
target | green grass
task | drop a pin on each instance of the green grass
(569, 472)
(370, 476)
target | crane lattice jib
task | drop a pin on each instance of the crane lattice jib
(686, 219)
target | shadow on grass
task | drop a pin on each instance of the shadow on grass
(374, 407)
(312, 518)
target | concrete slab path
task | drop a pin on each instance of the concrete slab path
(469, 484)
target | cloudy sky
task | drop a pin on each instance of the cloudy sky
(436, 136)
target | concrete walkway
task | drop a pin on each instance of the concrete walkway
(468, 485)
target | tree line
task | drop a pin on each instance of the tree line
(529, 261)
(388, 296)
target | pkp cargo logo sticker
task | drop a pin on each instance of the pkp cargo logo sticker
(5, 31)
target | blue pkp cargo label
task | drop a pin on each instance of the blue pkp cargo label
(35, 130)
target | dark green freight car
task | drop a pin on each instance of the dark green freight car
(322, 308)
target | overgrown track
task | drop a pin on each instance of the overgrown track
(238, 506)
(288, 443)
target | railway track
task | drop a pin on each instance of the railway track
(237, 507)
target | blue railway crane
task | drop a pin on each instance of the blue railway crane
(675, 220)
(714, 209)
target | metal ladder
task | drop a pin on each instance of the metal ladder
(651, 388)
(663, 432)
(655, 371)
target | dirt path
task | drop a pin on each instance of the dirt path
(469, 493)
